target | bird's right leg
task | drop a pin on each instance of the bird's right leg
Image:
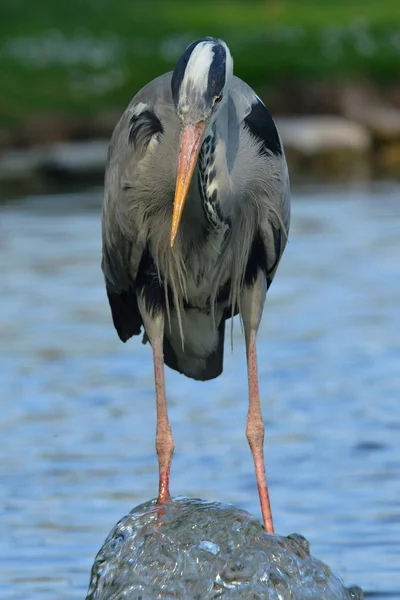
(252, 303)
(154, 325)
(255, 431)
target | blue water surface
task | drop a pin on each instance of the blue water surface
(78, 409)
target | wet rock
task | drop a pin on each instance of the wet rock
(387, 159)
(51, 128)
(383, 122)
(75, 159)
(392, 94)
(20, 164)
(325, 144)
(296, 98)
(311, 135)
(54, 163)
(45, 129)
(196, 550)
(373, 111)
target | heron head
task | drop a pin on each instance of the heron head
(201, 79)
(200, 85)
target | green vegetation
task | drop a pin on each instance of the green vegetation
(85, 55)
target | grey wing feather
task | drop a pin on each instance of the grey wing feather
(123, 243)
(132, 191)
(121, 257)
(262, 157)
(274, 222)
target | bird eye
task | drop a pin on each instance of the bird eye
(218, 98)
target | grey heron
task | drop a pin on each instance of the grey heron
(195, 220)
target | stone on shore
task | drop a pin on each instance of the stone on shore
(325, 144)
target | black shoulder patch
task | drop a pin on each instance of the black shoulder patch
(260, 260)
(142, 127)
(257, 260)
(149, 285)
(262, 126)
(277, 234)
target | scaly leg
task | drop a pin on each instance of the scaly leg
(164, 439)
(255, 431)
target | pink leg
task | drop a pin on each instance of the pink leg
(164, 439)
(255, 432)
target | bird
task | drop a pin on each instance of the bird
(195, 219)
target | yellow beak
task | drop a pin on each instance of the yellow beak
(191, 140)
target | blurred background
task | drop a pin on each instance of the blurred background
(77, 406)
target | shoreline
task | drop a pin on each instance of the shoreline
(329, 132)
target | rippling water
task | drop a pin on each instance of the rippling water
(77, 406)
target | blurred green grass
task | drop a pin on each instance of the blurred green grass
(82, 56)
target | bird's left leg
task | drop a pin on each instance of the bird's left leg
(252, 303)
(164, 439)
(154, 326)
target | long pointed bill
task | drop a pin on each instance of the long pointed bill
(191, 140)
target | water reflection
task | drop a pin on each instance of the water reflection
(78, 416)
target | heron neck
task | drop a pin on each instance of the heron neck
(214, 180)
